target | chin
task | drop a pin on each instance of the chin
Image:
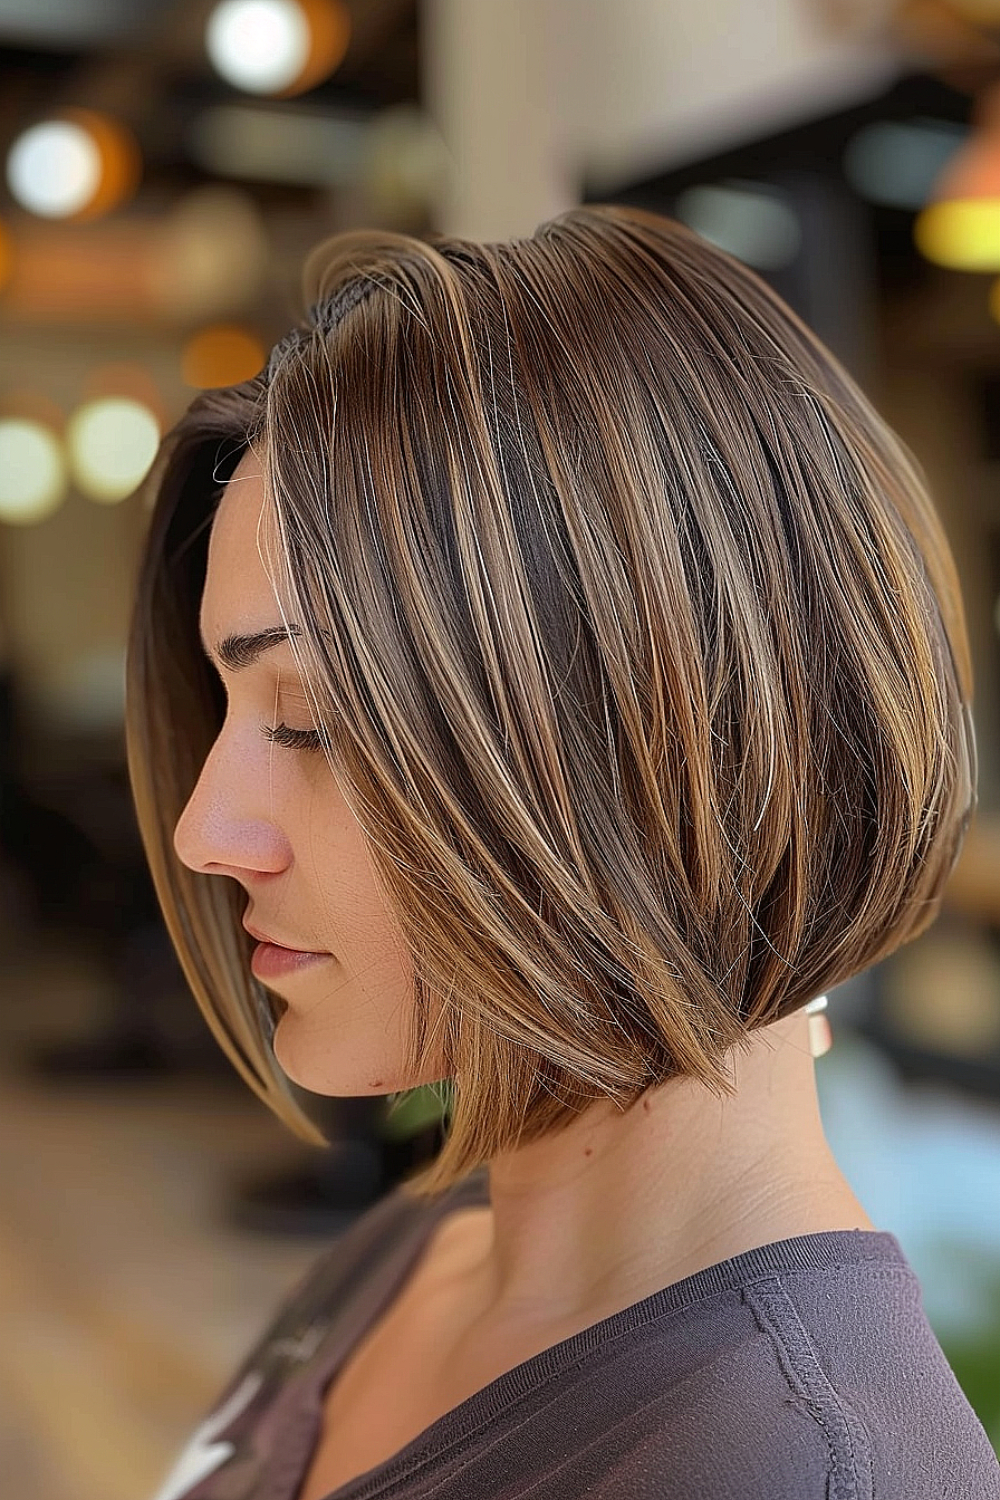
(302, 1062)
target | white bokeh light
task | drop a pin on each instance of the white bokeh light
(261, 46)
(54, 169)
(112, 443)
(32, 471)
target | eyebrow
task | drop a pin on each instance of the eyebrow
(238, 651)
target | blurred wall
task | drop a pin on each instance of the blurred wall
(657, 81)
(535, 96)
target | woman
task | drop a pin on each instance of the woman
(565, 671)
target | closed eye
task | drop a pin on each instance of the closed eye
(294, 739)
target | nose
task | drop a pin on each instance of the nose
(223, 829)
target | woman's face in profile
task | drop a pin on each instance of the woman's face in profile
(270, 815)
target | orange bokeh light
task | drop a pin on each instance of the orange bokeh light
(329, 25)
(974, 170)
(6, 255)
(223, 354)
(121, 161)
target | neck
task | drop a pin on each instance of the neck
(623, 1203)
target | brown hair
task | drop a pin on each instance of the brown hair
(635, 638)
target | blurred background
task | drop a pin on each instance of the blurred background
(166, 166)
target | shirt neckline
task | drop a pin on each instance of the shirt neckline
(822, 1250)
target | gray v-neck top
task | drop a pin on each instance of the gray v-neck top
(801, 1370)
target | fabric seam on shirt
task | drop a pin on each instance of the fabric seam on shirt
(842, 1427)
(419, 1460)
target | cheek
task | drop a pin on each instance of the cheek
(337, 880)
(343, 1032)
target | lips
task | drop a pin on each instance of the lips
(275, 942)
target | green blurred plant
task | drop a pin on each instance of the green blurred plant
(413, 1110)
(975, 1358)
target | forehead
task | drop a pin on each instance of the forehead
(238, 592)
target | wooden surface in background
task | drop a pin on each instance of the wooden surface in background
(125, 1300)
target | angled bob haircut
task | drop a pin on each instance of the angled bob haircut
(635, 640)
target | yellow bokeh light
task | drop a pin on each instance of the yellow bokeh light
(111, 444)
(221, 355)
(961, 233)
(33, 478)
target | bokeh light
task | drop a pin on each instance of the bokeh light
(963, 234)
(277, 47)
(111, 444)
(749, 221)
(279, 143)
(212, 254)
(221, 355)
(960, 227)
(6, 255)
(405, 163)
(121, 160)
(258, 45)
(79, 165)
(897, 162)
(54, 168)
(33, 478)
(329, 24)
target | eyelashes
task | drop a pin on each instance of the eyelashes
(294, 739)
